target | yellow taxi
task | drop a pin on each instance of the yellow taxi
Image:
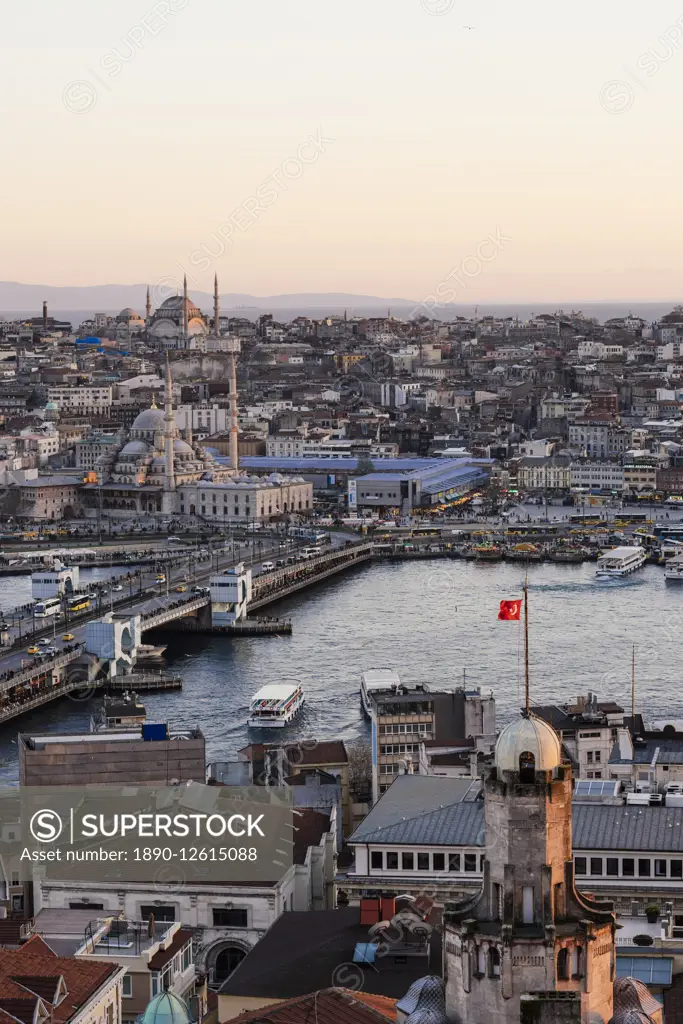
(66, 637)
(180, 589)
(33, 650)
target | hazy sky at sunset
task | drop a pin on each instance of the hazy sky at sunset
(557, 125)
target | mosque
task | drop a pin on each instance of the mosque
(158, 471)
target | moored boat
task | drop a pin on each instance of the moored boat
(567, 555)
(673, 570)
(524, 553)
(376, 680)
(488, 553)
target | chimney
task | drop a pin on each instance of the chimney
(45, 316)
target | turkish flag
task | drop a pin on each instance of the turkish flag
(510, 610)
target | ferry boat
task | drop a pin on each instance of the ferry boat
(673, 569)
(567, 555)
(376, 679)
(275, 706)
(620, 562)
(524, 553)
(149, 653)
(488, 553)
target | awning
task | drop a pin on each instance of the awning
(651, 970)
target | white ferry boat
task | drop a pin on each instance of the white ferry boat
(275, 706)
(621, 562)
(673, 569)
(376, 679)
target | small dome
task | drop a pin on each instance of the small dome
(528, 734)
(134, 448)
(150, 419)
(182, 447)
(51, 407)
(128, 314)
(166, 1008)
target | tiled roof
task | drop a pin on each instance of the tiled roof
(36, 961)
(457, 825)
(329, 1006)
(629, 827)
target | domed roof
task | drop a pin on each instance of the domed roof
(166, 1008)
(51, 407)
(182, 446)
(528, 734)
(128, 314)
(175, 302)
(150, 419)
(135, 448)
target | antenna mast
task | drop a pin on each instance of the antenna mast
(633, 688)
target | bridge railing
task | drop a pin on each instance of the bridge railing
(37, 668)
(285, 577)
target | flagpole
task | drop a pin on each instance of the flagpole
(526, 643)
(633, 688)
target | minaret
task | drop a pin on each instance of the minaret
(168, 499)
(185, 308)
(148, 305)
(216, 307)
(234, 425)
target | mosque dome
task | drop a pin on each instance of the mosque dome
(52, 407)
(181, 447)
(134, 448)
(128, 314)
(166, 1008)
(174, 303)
(532, 735)
(150, 419)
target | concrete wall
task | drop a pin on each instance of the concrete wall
(89, 762)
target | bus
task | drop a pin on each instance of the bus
(631, 518)
(590, 519)
(44, 609)
(79, 603)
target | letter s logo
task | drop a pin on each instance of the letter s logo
(46, 826)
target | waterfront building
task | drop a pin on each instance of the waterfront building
(442, 481)
(406, 719)
(589, 730)
(598, 440)
(544, 473)
(149, 756)
(596, 476)
(81, 400)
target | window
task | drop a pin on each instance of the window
(470, 862)
(453, 861)
(644, 868)
(162, 912)
(596, 756)
(589, 757)
(110, 1013)
(127, 986)
(628, 867)
(660, 869)
(494, 963)
(580, 866)
(155, 983)
(676, 867)
(392, 862)
(187, 956)
(528, 904)
(230, 917)
(613, 867)
(439, 862)
(596, 865)
(377, 859)
(563, 965)
(407, 861)
(423, 862)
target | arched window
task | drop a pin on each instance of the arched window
(563, 965)
(226, 962)
(494, 963)
(481, 961)
(527, 767)
(576, 962)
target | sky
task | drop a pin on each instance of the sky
(369, 146)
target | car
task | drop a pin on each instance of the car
(267, 566)
(280, 562)
(4, 625)
(117, 589)
(198, 590)
(66, 637)
(51, 651)
(180, 589)
(44, 641)
(33, 650)
(160, 578)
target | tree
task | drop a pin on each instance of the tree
(364, 465)
(360, 768)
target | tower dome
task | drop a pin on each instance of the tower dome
(166, 1008)
(528, 735)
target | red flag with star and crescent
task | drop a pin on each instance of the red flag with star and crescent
(510, 610)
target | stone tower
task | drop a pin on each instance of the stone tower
(529, 948)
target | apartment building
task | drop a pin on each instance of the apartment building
(83, 400)
(596, 476)
(599, 440)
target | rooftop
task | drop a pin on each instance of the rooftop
(301, 951)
